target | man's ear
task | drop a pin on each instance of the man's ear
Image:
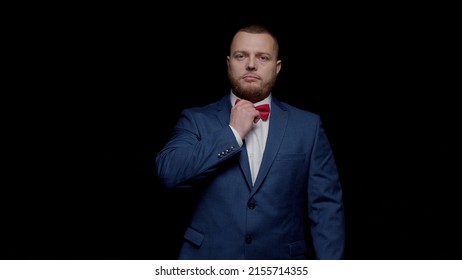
(278, 66)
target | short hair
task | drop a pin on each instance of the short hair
(257, 28)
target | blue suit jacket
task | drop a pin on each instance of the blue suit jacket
(235, 220)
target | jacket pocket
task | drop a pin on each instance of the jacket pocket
(297, 249)
(194, 236)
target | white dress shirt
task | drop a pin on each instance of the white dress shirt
(255, 140)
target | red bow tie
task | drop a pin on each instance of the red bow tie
(264, 110)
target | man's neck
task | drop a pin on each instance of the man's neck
(266, 100)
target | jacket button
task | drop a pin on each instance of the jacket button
(251, 205)
(248, 239)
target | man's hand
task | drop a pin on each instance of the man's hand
(243, 115)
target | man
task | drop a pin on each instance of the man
(258, 173)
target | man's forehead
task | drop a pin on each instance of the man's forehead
(261, 42)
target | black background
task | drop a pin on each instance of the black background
(99, 89)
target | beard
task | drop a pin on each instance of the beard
(253, 92)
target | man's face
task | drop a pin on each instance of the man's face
(253, 65)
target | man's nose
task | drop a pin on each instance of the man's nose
(251, 63)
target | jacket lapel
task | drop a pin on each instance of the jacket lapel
(245, 167)
(277, 128)
(223, 112)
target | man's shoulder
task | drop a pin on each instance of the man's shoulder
(298, 111)
(207, 107)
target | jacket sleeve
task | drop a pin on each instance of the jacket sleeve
(197, 147)
(325, 208)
